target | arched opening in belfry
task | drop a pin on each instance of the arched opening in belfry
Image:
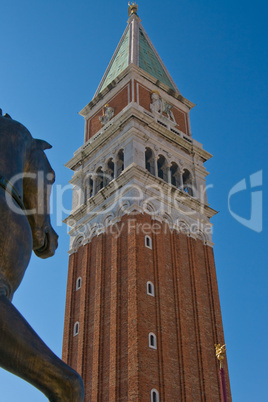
(99, 179)
(88, 187)
(187, 182)
(120, 162)
(175, 174)
(150, 161)
(109, 174)
(162, 168)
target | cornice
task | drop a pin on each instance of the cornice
(135, 175)
(127, 114)
(132, 68)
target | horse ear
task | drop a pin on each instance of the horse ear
(43, 144)
(5, 115)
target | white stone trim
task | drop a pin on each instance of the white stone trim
(158, 133)
(133, 71)
(185, 216)
(138, 93)
(128, 94)
(133, 90)
(96, 230)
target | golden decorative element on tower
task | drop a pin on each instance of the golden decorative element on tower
(132, 8)
(220, 352)
(105, 106)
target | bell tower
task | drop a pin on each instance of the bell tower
(142, 306)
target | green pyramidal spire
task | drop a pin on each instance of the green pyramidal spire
(135, 47)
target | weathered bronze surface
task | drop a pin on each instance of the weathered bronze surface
(25, 226)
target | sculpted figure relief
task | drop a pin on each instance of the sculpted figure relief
(108, 114)
(25, 226)
(158, 105)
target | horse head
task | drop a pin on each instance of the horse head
(37, 182)
(26, 178)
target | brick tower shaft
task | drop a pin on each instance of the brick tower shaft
(142, 306)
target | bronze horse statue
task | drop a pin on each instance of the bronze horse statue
(25, 182)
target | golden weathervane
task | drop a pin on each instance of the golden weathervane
(132, 8)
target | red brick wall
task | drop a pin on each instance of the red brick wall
(121, 100)
(180, 118)
(144, 95)
(118, 102)
(116, 316)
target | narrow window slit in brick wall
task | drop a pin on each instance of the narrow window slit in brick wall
(78, 283)
(154, 395)
(76, 328)
(152, 341)
(148, 242)
(150, 288)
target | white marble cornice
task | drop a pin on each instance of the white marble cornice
(127, 114)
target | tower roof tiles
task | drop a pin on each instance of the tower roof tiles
(135, 47)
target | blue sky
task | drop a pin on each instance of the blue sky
(53, 55)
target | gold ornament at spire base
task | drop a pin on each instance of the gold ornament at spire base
(132, 8)
(220, 352)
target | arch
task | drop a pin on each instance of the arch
(175, 174)
(107, 219)
(148, 242)
(76, 328)
(149, 208)
(187, 182)
(93, 230)
(150, 288)
(122, 208)
(162, 168)
(183, 227)
(78, 241)
(150, 160)
(120, 162)
(109, 172)
(168, 219)
(78, 283)
(152, 341)
(201, 236)
(89, 187)
(99, 179)
(154, 395)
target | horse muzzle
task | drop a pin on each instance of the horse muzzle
(49, 246)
